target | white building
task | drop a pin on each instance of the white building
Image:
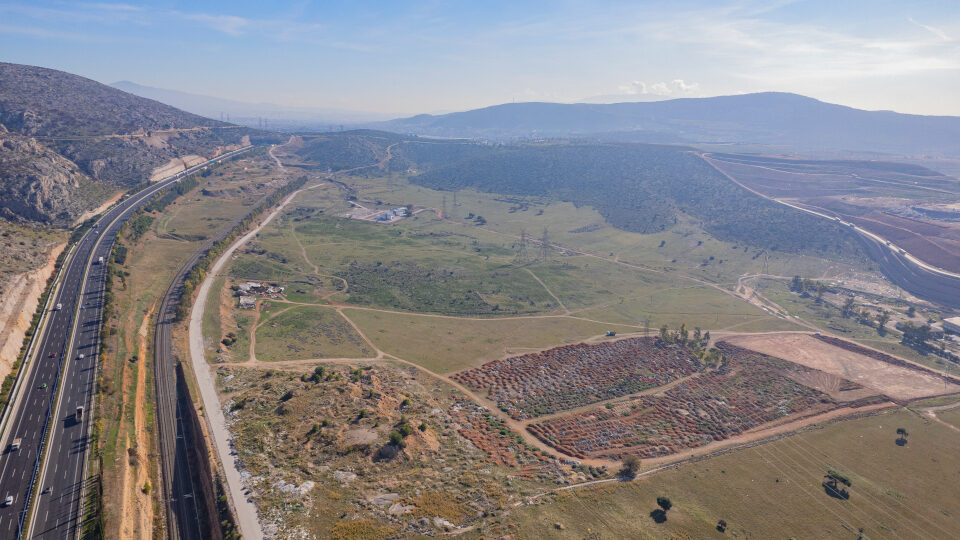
(952, 325)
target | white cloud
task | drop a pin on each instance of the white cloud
(933, 30)
(228, 24)
(674, 88)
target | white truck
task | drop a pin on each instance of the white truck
(99, 260)
(15, 445)
(59, 306)
(79, 414)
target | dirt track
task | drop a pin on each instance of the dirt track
(893, 381)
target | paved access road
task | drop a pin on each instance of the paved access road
(43, 414)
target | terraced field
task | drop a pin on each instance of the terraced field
(749, 391)
(571, 376)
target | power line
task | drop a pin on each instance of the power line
(522, 255)
(544, 246)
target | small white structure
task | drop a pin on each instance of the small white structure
(952, 325)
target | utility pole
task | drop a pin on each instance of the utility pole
(444, 207)
(544, 246)
(522, 255)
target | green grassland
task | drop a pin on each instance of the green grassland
(446, 345)
(686, 247)
(463, 268)
(950, 416)
(307, 332)
(774, 490)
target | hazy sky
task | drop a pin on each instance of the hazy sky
(411, 57)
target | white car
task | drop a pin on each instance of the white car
(8, 501)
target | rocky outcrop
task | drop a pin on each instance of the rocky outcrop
(67, 143)
(40, 184)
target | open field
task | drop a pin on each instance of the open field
(828, 316)
(920, 499)
(446, 345)
(891, 380)
(307, 332)
(913, 207)
(450, 290)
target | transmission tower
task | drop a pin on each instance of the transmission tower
(544, 246)
(522, 255)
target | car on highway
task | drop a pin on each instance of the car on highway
(53, 355)
(8, 501)
(46, 490)
(43, 386)
(15, 445)
(80, 356)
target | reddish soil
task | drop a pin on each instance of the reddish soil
(750, 391)
(572, 376)
(492, 436)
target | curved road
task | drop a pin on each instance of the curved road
(905, 270)
(54, 445)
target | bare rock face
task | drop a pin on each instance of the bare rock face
(39, 184)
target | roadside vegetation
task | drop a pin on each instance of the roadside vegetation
(150, 250)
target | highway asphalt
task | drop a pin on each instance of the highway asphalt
(58, 508)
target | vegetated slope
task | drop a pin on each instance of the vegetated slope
(36, 101)
(68, 141)
(636, 187)
(345, 150)
(771, 118)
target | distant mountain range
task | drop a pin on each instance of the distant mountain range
(250, 114)
(771, 121)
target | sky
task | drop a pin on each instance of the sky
(431, 56)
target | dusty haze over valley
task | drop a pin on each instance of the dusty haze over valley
(508, 270)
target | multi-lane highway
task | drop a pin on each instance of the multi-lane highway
(58, 379)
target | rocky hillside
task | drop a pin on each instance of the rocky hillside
(67, 142)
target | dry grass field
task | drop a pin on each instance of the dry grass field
(894, 381)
